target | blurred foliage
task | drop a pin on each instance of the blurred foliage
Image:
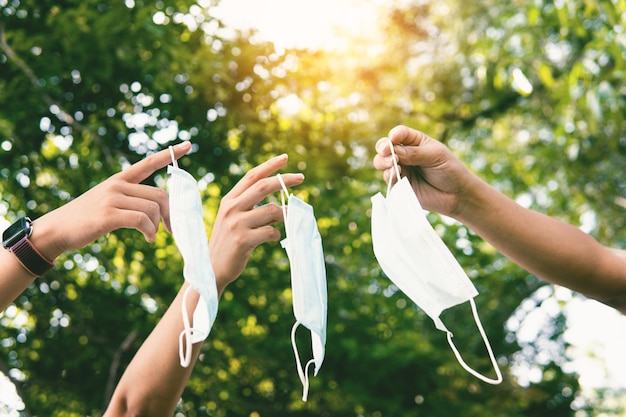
(529, 94)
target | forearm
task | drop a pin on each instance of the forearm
(14, 279)
(154, 380)
(553, 250)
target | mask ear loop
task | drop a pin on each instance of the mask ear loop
(302, 373)
(184, 339)
(395, 167)
(173, 159)
(284, 192)
(465, 366)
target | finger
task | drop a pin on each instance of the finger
(388, 175)
(255, 174)
(148, 166)
(266, 186)
(142, 220)
(145, 224)
(430, 153)
(143, 192)
(403, 135)
(261, 216)
(384, 162)
(261, 235)
(382, 146)
(141, 197)
(158, 196)
(150, 201)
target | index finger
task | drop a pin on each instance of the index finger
(148, 166)
(257, 173)
(266, 186)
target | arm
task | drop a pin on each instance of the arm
(554, 251)
(154, 380)
(118, 202)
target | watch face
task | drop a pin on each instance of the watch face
(15, 232)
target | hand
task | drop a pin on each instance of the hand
(118, 202)
(240, 226)
(438, 178)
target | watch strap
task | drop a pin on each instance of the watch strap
(30, 258)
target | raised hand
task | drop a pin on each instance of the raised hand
(121, 201)
(241, 225)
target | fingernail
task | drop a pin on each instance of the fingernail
(400, 150)
(380, 145)
(182, 145)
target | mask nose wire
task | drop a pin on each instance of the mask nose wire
(283, 193)
(395, 166)
(172, 155)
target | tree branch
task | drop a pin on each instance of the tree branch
(62, 115)
(115, 364)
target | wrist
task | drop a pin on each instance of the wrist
(476, 202)
(221, 286)
(44, 238)
(17, 239)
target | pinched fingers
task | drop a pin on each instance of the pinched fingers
(399, 135)
(382, 147)
(149, 205)
(404, 135)
(140, 206)
(257, 173)
(264, 187)
(132, 206)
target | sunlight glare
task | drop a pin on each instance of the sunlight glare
(322, 24)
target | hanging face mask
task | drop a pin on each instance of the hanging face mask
(191, 238)
(417, 261)
(303, 245)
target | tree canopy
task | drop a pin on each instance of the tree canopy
(530, 95)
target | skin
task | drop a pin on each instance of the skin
(118, 202)
(240, 226)
(154, 380)
(548, 248)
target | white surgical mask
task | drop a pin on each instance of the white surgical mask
(191, 238)
(417, 261)
(303, 245)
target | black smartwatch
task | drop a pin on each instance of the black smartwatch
(15, 239)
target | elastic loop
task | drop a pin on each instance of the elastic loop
(395, 166)
(303, 374)
(173, 158)
(465, 366)
(282, 183)
(184, 339)
(305, 385)
(284, 192)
